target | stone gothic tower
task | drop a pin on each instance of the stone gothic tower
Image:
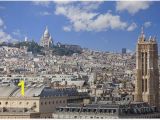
(147, 73)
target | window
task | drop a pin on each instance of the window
(64, 101)
(6, 103)
(142, 63)
(49, 102)
(100, 110)
(145, 63)
(20, 103)
(60, 101)
(142, 85)
(145, 85)
(27, 103)
(0, 103)
(53, 102)
(41, 103)
(114, 111)
(109, 111)
(45, 103)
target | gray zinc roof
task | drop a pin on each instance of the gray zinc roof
(14, 91)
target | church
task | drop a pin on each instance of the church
(46, 39)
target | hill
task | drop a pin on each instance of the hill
(35, 48)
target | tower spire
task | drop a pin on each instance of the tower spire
(46, 27)
(142, 30)
(142, 36)
(142, 33)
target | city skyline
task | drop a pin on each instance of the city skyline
(79, 59)
(104, 26)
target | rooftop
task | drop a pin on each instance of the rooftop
(37, 91)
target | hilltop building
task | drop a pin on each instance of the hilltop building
(46, 39)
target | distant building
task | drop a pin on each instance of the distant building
(147, 73)
(46, 40)
(104, 111)
(124, 51)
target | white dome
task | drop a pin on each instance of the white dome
(46, 32)
(46, 39)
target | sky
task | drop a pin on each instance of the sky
(102, 26)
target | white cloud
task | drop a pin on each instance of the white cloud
(3, 35)
(6, 37)
(82, 17)
(42, 3)
(67, 28)
(129, 51)
(132, 6)
(91, 5)
(16, 32)
(107, 21)
(1, 22)
(45, 13)
(147, 24)
(2, 7)
(63, 2)
(132, 27)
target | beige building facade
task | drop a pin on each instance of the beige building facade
(37, 103)
(147, 73)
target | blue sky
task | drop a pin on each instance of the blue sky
(104, 26)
